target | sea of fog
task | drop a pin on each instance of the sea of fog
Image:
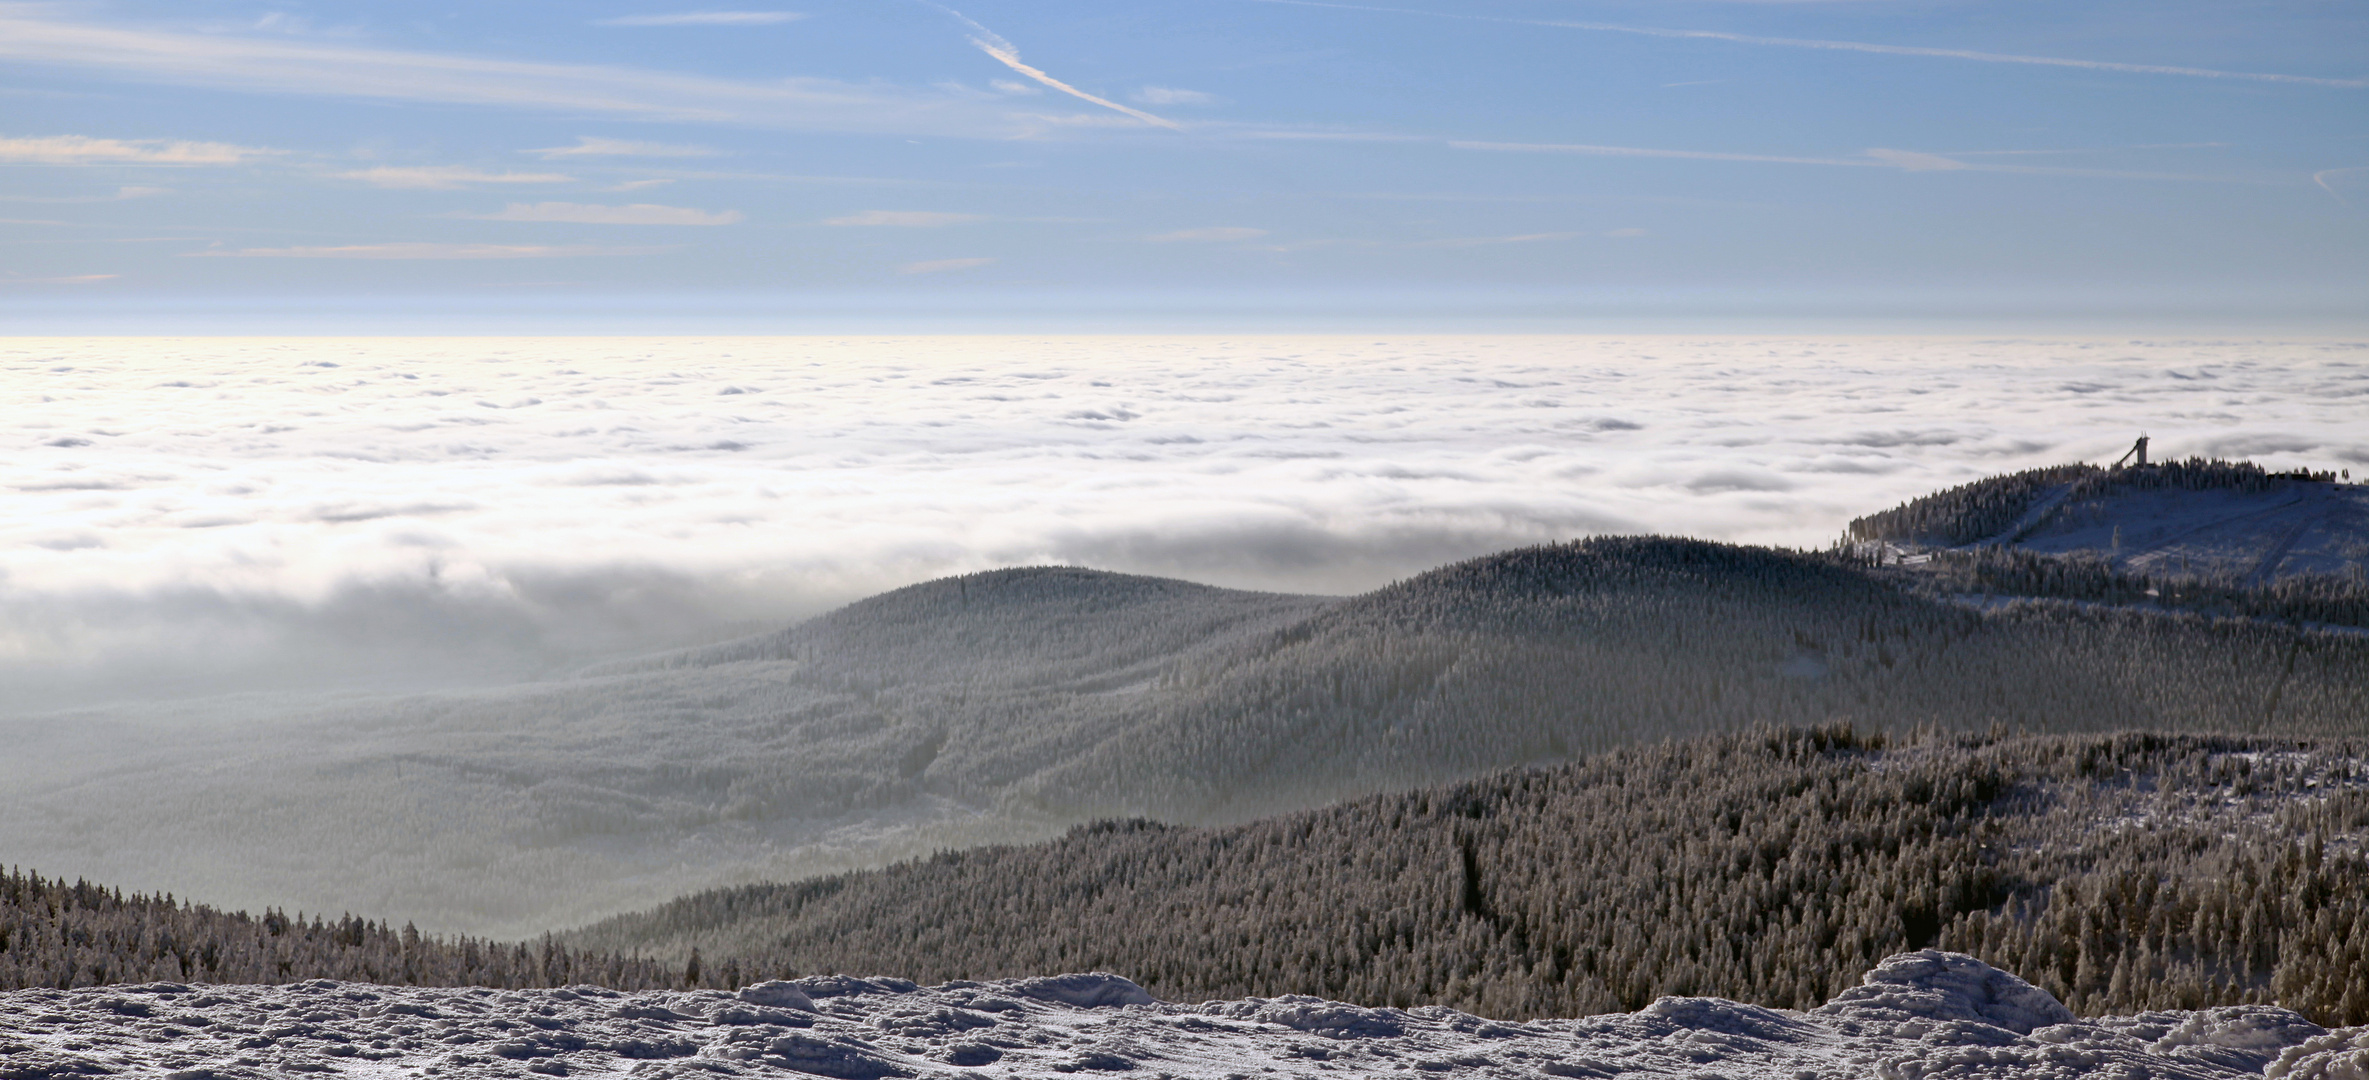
(213, 514)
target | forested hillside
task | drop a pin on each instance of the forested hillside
(1005, 707)
(1538, 654)
(2227, 522)
(61, 936)
(1987, 509)
(1987, 571)
(2214, 537)
(2002, 509)
(2119, 872)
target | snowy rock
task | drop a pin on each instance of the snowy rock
(1092, 991)
(1935, 985)
(1728, 1017)
(1920, 1016)
(843, 1058)
(2337, 1055)
(2247, 1037)
(1330, 1019)
(779, 994)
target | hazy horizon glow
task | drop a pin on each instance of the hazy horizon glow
(205, 515)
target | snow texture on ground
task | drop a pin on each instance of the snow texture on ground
(1919, 1015)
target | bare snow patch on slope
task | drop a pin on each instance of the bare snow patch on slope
(2298, 528)
(1919, 1016)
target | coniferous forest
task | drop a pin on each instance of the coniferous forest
(1740, 772)
(2120, 872)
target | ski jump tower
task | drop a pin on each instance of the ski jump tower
(2138, 450)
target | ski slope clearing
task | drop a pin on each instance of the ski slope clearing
(2220, 521)
(2295, 528)
(1919, 1015)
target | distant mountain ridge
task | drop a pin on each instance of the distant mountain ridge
(1037, 624)
(1006, 706)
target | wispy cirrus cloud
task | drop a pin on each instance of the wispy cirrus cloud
(70, 279)
(1593, 150)
(1915, 161)
(1008, 54)
(1875, 158)
(597, 214)
(1209, 235)
(1855, 46)
(122, 193)
(596, 146)
(445, 177)
(705, 18)
(2321, 178)
(1489, 241)
(904, 218)
(31, 37)
(422, 250)
(86, 150)
(1169, 95)
(2058, 151)
(940, 266)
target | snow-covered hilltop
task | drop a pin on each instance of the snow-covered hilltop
(2218, 520)
(1918, 1015)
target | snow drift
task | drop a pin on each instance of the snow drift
(1918, 1015)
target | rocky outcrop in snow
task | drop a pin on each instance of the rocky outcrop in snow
(1918, 1016)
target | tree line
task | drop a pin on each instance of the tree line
(2120, 872)
(60, 935)
(1986, 509)
(2334, 601)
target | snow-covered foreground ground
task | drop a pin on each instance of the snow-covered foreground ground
(1919, 1015)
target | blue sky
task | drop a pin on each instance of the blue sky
(878, 165)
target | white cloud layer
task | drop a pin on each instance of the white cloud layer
(219, 512)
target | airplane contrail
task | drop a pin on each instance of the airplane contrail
(993, 44)
(2321, 178)
(1853, 46)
